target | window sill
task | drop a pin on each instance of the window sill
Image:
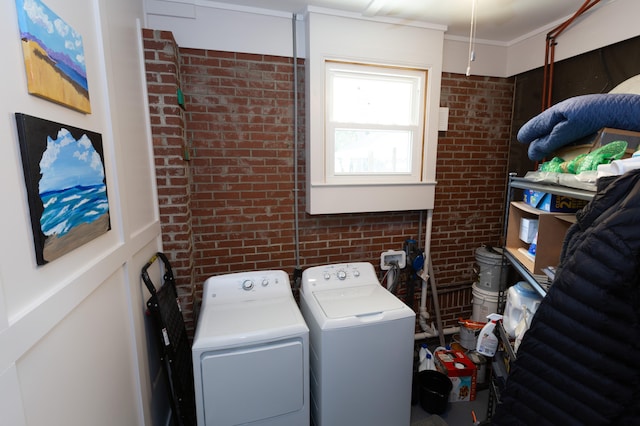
(374, 197)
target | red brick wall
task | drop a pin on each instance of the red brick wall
(471, 172)
(239, 122)
(173, 175)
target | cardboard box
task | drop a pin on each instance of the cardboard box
(552, 203)
(604, 136)
(552, 228)
(461, 371)
(607, 135)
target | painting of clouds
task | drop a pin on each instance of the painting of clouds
(64, 175)
(53, 56)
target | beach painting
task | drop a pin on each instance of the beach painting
(66, 188)
(53, 56)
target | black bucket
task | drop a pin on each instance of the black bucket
(434, 388)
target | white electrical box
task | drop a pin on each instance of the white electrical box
(393, 257)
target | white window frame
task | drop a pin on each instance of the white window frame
(393, 44)
(414, 124)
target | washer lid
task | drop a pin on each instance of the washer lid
(356, 301)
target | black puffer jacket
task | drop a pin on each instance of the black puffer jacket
(579, 363)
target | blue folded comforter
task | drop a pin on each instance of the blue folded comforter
(577, 117)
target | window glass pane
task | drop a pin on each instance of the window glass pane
(374, 123)
(372, 151)
(374, 98)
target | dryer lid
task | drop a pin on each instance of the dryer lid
(356, 301)
(249, 322)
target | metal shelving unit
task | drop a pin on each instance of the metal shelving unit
(525, 274)
(523, 183)
(516, 182)
(503, 359)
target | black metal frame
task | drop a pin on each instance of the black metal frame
(173, 342)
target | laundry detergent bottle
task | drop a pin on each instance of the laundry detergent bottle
(426, 359)
(487, 340)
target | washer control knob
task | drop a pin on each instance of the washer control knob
(341, 274)
(327, 275)
(247, 285)
(356, 273)
(265, 282)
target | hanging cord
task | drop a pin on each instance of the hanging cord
(472, 37)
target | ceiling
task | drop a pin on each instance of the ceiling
(500, 21)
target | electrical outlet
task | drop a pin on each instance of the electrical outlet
(393, 257)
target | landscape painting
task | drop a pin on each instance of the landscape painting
(66, 187)
(53, 56)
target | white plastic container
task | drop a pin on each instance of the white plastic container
(426, 359)
(520, 296)
(484, 303)
(528, 229)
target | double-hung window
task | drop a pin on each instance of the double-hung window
(372, 94)
(374, 123)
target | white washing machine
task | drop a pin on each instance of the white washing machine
(361, 347)
(251, 352)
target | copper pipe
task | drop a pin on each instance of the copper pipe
(551, 67)
(547, 84)
(544, 75)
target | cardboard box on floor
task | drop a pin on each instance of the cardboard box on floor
(461, 371)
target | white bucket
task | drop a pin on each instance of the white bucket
(484, 303)
(492, 269)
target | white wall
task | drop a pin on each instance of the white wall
(610, 22)
(490, 58)
(214, 25)
(72, 344)
(206, 25)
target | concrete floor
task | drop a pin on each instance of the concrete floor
(457, 413)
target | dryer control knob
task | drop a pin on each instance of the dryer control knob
(265, 282)
(327, 275)
(356, 273)
(341, 275)
(247, 285)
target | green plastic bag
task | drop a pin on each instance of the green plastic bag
(603, 155)
(553, 165)
(586, 162)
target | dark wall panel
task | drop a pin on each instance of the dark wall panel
(597, 71)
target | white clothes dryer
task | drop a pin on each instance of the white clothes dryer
(251, 352)
(361, 347)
